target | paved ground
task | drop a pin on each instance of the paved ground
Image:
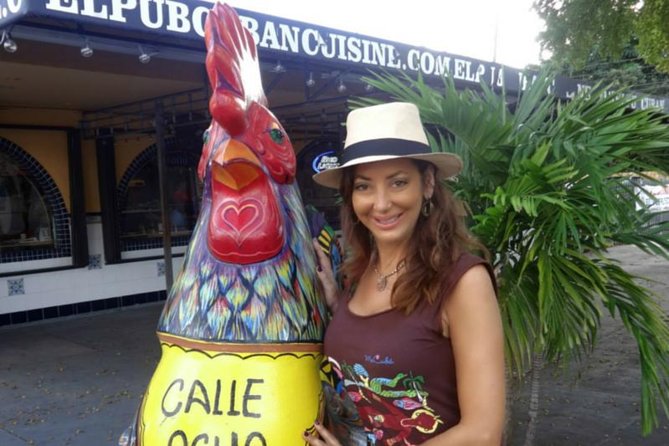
(78, 381)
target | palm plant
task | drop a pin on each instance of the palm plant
(548, 188)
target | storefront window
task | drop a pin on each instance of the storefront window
(25, 220)
(141, 221)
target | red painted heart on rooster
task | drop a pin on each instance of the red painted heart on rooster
(245, 227)
(241, 218)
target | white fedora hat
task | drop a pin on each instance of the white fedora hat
(383, 132)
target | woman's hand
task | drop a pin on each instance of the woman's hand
(326, 276)
(326, 437)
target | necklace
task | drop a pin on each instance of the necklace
(382, 279)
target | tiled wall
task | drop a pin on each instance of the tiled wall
(39, 314)
(38, 296)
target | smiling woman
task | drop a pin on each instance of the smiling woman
(416, 336)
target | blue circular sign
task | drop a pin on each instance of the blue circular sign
(324, 161)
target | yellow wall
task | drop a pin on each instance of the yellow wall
(49, 148)
(127, 149)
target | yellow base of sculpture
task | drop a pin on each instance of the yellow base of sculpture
(228, 394)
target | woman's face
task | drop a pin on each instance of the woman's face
(387, 198)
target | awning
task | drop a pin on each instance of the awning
(182, 21)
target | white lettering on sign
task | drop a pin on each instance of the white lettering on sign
(118, 7)
(70, 7)
(354, 49)
(169, 15)
(177, 17)
(310, 42)
(252, 25)
(324, 161)
(89, 9)
(152, 17)
(289, 38)
(198, 18)
(470, 74)
(180, 17)
(269, 37)
(327, 162)
(13, 6)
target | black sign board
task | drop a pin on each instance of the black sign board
(275, 35)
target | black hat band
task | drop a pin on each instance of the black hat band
(381, 147)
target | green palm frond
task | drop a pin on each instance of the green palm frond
(548, 185)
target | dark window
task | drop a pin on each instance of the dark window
(25, 220)
(141, 221)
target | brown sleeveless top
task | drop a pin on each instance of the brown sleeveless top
(398, 370)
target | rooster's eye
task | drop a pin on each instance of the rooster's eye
(277, 136)
(205, 136)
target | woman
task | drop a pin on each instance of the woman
(417, 336)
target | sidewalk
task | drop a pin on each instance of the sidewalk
(78, 381)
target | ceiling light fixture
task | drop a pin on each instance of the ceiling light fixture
(341, 88)
(145, 55)
(86, 50)
(7, 43)
(278, 68)
(310, 82)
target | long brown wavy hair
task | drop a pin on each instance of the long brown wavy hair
(437, 242)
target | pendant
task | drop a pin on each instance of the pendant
(381, 283)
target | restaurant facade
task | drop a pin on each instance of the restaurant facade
(103, 104)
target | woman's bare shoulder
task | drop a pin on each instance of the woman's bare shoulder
(473, 293)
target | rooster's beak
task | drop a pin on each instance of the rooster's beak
(235, 165)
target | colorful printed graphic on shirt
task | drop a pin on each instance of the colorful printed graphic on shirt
(344, 420)
(394, 411)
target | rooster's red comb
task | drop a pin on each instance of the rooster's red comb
(232, 67)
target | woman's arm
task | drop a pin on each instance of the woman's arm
(327, 278)
(475, 329)
(324, 437)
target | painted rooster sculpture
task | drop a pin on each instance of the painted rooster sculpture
(242, 326)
